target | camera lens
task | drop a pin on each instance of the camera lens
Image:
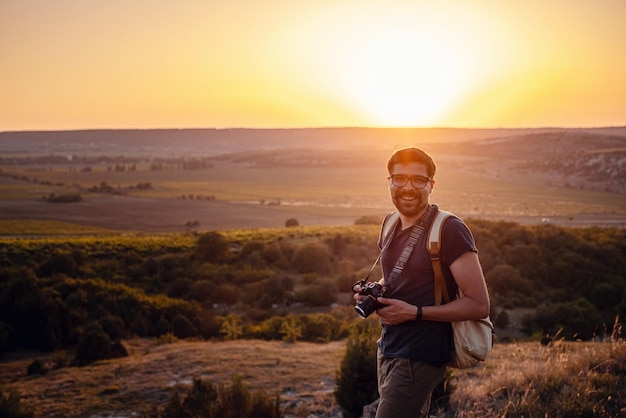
(366, 307)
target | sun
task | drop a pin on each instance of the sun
(404, 77)
(410, 65)
(405, 66)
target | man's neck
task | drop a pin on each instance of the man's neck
(408, 222)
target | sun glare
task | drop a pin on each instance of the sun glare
(396, 70)
(403, 78)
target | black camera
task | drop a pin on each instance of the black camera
(368, 305)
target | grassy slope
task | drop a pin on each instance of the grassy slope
(303, 373)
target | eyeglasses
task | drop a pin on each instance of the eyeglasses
(400, 180)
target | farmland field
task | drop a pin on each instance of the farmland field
(230, 195)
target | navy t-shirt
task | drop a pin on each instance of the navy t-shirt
(428, 341)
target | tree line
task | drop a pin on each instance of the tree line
(293, 284)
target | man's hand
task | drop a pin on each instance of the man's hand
(397, 312)
(357, 297)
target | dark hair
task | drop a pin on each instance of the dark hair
(412, 155)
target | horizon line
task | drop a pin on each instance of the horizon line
(312, 128)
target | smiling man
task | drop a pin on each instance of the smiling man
(416, 340)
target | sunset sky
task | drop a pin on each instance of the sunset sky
(87, 64)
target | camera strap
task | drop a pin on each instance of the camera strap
(416, 233)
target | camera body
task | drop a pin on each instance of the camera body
(368, 305)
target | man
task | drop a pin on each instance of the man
(416, 340)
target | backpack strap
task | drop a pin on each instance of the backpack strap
(389, 224)
(433, 245)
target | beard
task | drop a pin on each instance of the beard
(409, 204)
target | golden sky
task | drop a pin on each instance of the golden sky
(87, 64)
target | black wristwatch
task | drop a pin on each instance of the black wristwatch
(418, 317)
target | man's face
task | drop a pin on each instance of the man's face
(412, 197)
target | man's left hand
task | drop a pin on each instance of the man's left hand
(397, 311)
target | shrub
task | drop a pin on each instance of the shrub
(168, 338)
(319, 328)
(356, 378)
(502, 319)
(95, 345)
(29, 317)
(182, 327)
(291, 329)
(312, 258)
(578, 319)
(231, 327)
(208, 401)
(35, 367)
(113, 326)
(269, 329)
(64, 198)
(320, 293)
(11, 406)
(368, 220)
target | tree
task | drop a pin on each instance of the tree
(212, 246)
(292, 222)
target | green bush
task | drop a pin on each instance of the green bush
(577, 319)
(319, 328)
(113, 326)
(356, 379)
(312, 257)
(95, 345)
(319, 293)
(182, 327)
(291, 329)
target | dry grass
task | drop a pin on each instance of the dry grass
(519, 378)
(302, 373)
(512, 380)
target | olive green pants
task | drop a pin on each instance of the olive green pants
(405, 387)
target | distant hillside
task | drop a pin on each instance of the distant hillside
(210, 142)
(569, 158)
(593, 159)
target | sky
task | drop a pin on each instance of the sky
(119, 64)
